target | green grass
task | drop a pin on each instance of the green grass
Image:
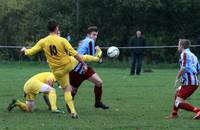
(137, 102)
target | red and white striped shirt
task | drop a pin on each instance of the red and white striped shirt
(189, 62)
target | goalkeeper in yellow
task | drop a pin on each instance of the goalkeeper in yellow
(59, 54)
(39, 83)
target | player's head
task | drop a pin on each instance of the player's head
(92, 32)
(138, 33)
(183, 44)
(53, 26)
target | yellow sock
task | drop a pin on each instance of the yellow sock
(52, 100)
(22, 106)
(89, 58)
(69, 101)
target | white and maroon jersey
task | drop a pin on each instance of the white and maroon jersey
(189, 62)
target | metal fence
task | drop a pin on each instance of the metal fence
(151, 53)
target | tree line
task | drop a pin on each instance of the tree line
(163, 22)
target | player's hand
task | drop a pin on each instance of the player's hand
(100, 61)
(97, 47)
(85, 68)
(175, 83)
(23, 49)
(98, 52)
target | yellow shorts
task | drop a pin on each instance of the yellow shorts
(31, 88)
(62, 73)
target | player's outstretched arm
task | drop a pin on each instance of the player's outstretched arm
(98, 51)
(96, 58)
(35, 49)
(89, 58)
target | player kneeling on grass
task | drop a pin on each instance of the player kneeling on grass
(39, 83)
(189, 69)
(59, 53)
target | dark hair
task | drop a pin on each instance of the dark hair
(52, 24)
(92, 29)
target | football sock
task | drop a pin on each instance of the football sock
(188, 107)
(46, 99)
(89, 58)
(22, 106)
(175, 109)
(69, 101)
(98, 93)
(52, 100)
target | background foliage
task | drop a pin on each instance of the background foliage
(162, 21)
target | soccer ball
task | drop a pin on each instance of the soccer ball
(113, 52)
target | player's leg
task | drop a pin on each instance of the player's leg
(75, 81)
(183, 93)
(29, 96)
(69, 101)
(27, 107)
(133, 65)
(62, 76)
(139, 65)
(174, 113)
(51, 93)
(181, 104)
(175, 109)
(64, 82)
(46, 99)
(97, 81)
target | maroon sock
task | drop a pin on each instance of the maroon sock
(98, 94)
(188, 107)
(175, 110)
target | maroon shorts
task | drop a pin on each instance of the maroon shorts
(186, 90)
(76, 79)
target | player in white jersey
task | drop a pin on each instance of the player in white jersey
(188, 72)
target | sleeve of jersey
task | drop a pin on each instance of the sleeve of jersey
(70, 49)
(91, 48)
(198, 68)
(35, 49)
(184, 60)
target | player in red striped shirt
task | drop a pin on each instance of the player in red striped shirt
(188, 72)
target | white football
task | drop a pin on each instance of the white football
(113, 52)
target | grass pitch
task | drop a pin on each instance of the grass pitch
(137, 102)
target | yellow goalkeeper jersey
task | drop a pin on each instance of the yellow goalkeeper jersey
(44, 77)
(57, 50)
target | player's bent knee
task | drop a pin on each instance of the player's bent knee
(46, 88)
(67, 89)
(99, 83)
(177, 102)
